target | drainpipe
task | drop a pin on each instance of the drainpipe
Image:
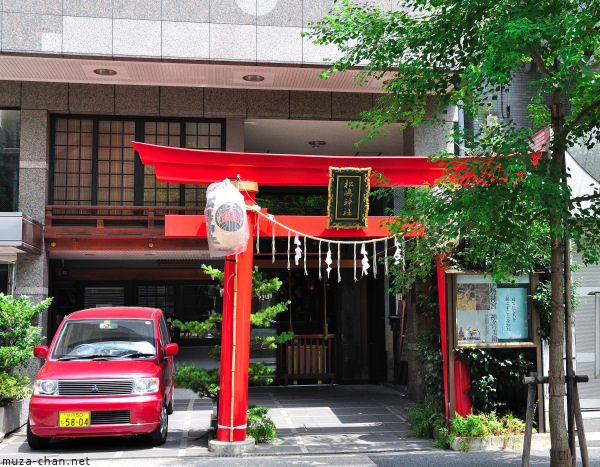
(461, 128)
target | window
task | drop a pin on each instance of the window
(94, 162)
(95, 297)
(198, 302)
(165, 337)
(116, 163)
(73, 161)
(158, 193)
(4, 279)
(10, 137)
(157, 296)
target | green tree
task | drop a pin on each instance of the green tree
(435, 54)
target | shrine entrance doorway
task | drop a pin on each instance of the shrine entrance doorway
(338, 329)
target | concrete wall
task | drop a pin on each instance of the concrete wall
(587, 334)
(37, 98)
(207, 30)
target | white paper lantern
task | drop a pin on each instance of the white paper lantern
(226, 220)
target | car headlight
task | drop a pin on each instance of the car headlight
(46, 387)
(145, 385)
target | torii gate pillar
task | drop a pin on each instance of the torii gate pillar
(235, 339)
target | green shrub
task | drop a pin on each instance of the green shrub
(493, 375)
(443, 438)
(473, 426)
(426, 418)
(204, 382)
(260, 425)
(18, 335)
(513, 425)
(485, 425)
(13, 387)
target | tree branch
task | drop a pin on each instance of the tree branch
(585, 198)
(539, 61)
(581, 116)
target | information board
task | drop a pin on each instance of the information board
(488, 313)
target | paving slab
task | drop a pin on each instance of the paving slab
(324, 419)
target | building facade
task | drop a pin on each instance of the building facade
(82, 220)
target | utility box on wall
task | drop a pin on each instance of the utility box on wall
(20, 233)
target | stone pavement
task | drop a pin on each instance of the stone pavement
(336, 419)
(320, 419)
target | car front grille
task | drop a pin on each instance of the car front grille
(91, 387)
(109, 417)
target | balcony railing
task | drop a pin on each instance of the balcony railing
(69, 220)
(308, 357)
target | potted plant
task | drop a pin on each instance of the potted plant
(18, 336)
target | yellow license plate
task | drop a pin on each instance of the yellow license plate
(73, 419)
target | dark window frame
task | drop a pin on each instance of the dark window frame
(12, 201)
(140, 123)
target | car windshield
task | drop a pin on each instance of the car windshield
(105, 339)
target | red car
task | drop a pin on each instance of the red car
(108, 372)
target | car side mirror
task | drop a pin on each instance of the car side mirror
(40, 351)
(171, 350)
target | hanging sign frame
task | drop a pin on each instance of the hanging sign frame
(348, 204)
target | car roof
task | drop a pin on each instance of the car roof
(136, 312)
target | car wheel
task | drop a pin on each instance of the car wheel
(35, 441)
(170, 405)
(159, 436)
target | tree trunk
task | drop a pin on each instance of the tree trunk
(560, 453)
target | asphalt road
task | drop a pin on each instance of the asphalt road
(317, 426)
(435, 458)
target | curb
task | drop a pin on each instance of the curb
(500, 443)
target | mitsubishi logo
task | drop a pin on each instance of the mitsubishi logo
(95, 389)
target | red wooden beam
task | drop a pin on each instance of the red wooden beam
(315, 226)
(195, 166)
(54, 245)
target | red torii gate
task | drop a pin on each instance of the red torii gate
(193, 166)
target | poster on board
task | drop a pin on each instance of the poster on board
(487, 313)
(512, 313)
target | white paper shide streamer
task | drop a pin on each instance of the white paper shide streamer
(397, 253)
(301, 251)
(298, 250)
(365, 260)
(305, 251)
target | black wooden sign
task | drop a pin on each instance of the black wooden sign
(348, 198)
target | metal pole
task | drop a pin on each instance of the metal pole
(531, 393)
(569, 351)
(326, 326)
